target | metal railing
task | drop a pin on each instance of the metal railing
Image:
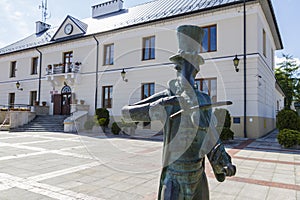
(63, 68)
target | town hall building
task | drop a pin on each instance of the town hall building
(121, 55)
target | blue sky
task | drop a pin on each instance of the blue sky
(18, 17)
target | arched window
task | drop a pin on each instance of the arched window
(66, 90)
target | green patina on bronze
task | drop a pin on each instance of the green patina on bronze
(189, 133)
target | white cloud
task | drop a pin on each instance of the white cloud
(281, 59)
(17, 19)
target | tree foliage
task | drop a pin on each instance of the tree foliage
(287, 74)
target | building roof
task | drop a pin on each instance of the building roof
(143, 13)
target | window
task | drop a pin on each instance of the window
(272, 59)
(107, 96)
(109, 54)
(11, 99)
(13, 69)
(209, 42)
(68, 59)
(33, 97)
(149, 48)
(208, 86)
(147, 90)
(34, 65)
(264, 43)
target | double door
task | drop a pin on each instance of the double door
(62, 104)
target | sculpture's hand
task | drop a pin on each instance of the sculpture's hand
(229, 169)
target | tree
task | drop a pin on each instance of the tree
(287, 76)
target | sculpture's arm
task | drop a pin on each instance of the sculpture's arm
(136, 113)
(152, 108)
(153, 97)
(221, 163)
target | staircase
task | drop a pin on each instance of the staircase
(43, 123)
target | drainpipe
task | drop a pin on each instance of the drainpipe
(97, 69)
(40, 75)
(245, 73)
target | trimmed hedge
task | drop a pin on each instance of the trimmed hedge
(288, 119)
(288, 138)
(115, 129)
(102, 113)
(226, 134)
(224, 124)
(223, 116)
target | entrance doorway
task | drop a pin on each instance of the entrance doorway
(62, 102)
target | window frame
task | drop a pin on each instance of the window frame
(34, 65)
(13, 69)
(264, 43)
(67, 60)
(33, 97)
(272, 59)
(11, 99)
(200, 86)
(209, 49)
(149, 89)
(109, 50)
(148, 53)
(147, 125)
(110, 96)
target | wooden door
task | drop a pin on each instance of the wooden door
(57, 104)
(66, 103)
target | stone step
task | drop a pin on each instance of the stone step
(47, 123)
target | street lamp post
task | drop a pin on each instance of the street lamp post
(245, 73)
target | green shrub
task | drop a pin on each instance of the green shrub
(223, 117)
(102, 113)
(224, 124)
(287, 119)
(102, 122)
(288, 138)
(88, 125)
(115, 129)
(298, 139)
(226, 134)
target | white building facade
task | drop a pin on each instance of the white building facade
(83, 59)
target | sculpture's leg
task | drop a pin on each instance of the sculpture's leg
(202, 192)
(170, 190)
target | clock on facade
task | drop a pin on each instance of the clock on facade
(68, 29)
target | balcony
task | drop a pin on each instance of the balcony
(60, 70)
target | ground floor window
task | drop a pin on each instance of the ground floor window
(208, 86)
(107, 96)
(147, 91)
(11, 99)
(33, 96)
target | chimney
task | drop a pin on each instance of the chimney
(41, 27)
(107, 8)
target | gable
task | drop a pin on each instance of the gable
(70, 28)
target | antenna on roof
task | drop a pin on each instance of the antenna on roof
(45, 14)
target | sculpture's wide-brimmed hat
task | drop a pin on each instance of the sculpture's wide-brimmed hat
(189, 39)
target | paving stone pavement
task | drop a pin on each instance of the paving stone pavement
(93, 166)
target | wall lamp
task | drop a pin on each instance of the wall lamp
(18, 85)
(236, 62)
(123, 74)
